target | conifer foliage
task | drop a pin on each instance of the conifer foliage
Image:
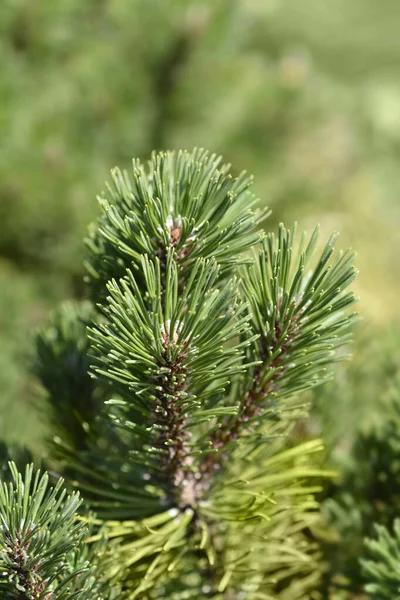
(175, 396)
(382, 566)
(43, 554)
(365, 503)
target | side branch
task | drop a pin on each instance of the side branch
(258, 397)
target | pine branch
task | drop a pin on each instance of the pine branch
(39, 533)
(299, 317)
(167, 359)
(188, 201)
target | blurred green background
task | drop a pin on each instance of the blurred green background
(305, 95)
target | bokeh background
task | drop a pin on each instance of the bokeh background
(303, 94)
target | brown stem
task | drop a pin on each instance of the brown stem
(173, 441)
(256, 399)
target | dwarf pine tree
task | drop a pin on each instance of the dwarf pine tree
(174, 394)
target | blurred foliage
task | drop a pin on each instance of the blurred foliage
(364, 445)
(382, 567)
(306, 94)
(359, 396)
